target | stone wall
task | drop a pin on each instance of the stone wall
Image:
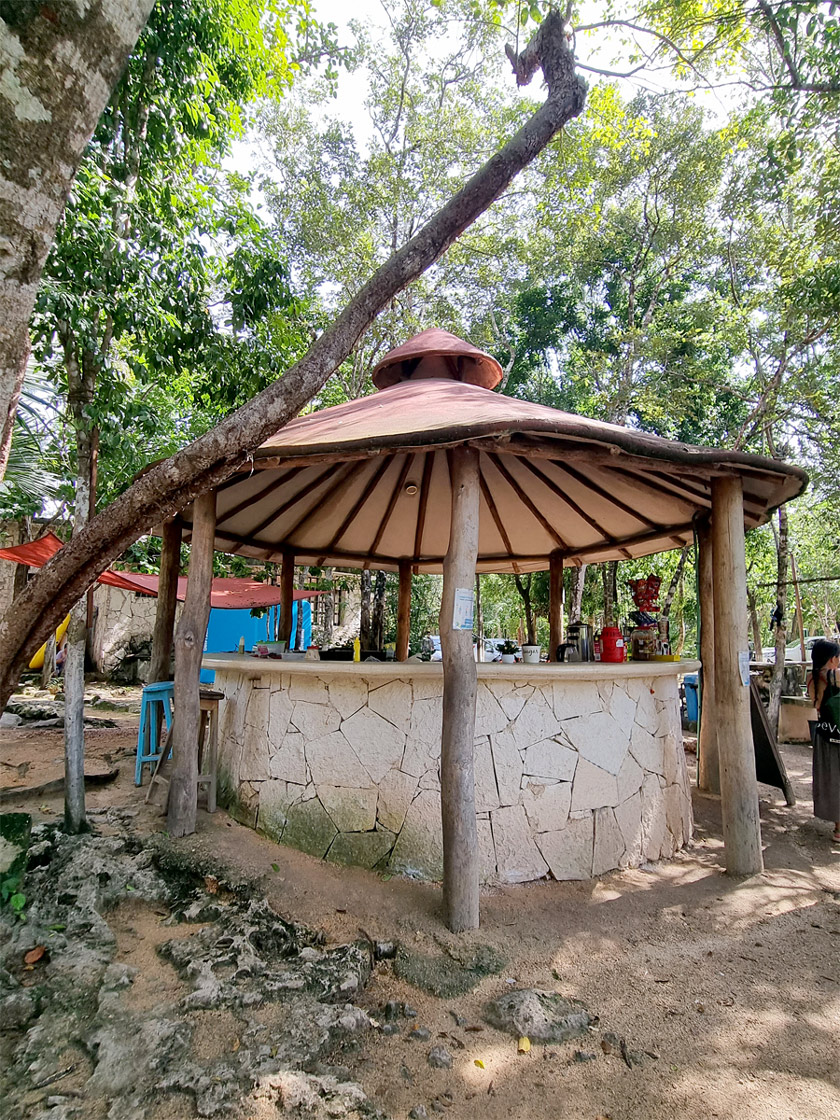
(10, 535)
(572, 779)
(122, 632)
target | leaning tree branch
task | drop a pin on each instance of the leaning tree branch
(171, 485)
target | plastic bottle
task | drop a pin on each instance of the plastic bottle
(357, 649)
(241, 646)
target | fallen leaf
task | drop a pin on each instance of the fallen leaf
(211, 884)
(479, 1063)
(524, 1045)
(35, 954)
(236, 1045)
(475, 1027)
(275, 867)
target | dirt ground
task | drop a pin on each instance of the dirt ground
(728, 990)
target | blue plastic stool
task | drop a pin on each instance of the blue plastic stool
(157, 700)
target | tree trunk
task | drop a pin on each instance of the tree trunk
(287, 594)
(478, 628)
(755, 624)
(170, 566)
(708, 759)
(523, 586)
(738, 787)
(777, 677)
(377, 616)
(404, 612)
(555, 604)
(169, 486)
(189, 646)
(81, 388)
(576, 598)
(328, 608)
(610, 575)
(364, 619)
(61, 64)
(460, 685)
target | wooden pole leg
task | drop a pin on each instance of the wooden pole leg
(738, 786)
(460, 686)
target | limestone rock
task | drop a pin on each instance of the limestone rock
(568, 851)
(547, 805)
(378, 744)
(347, 695)
(594, 788)
(315, 720)
(507, 765)
(486, 792)
(550, 759)
(419, 847)
(351, 810)
(332, 761)
(600, 739)
(287, 759)
(541, 1016)
(609, 843)
(361, 849)
(392, 701)
(310, 689)
(517, 857)
(395, 793)
(309, 828)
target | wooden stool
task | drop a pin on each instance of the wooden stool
(208, 753)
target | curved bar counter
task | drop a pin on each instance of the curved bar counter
(579, 768)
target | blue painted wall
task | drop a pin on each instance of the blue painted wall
(225, 628)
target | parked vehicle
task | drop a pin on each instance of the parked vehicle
(793, 650)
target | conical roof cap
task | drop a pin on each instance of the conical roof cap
(463, 361)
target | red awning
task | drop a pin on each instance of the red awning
(226, 593)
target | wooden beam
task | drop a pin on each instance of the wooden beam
(527, 502)
(555, 604)
(189, 646)
(392, 501)
(738, 787)
(162, 636)
(252, 499)
(404, 611)
(428, 463)
(708, 763)
(494, 513)
(460, 684)
(287, 594)
(358, 505)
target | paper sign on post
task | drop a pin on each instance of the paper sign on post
(462, 614)
(744, 666)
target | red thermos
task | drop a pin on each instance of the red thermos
(612, 644)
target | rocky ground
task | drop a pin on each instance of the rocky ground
(225, 976)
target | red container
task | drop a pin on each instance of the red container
(612, 644)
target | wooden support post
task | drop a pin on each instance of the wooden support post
(708, 764)
(460, 684)
(404, 611)
(170, 566)
(287, 593)
(738, 786)
(555, 604)
(189, 645)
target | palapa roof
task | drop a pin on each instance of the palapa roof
(367, 483)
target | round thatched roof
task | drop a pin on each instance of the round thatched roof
(367, 483)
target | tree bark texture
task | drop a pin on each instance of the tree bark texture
(708, 764)
(60, 63)
(777, 676)
(287, 595)
(377, 614)
(170, 567)
(364, 616)
(172, 484)
(460, 686)
(403, 611)
(189, 645)
(576, 597)
(738, 786)
(555, 604)
(81, 389)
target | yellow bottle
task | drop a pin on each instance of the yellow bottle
(357, 649)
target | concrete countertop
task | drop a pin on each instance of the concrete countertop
(391, 670)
